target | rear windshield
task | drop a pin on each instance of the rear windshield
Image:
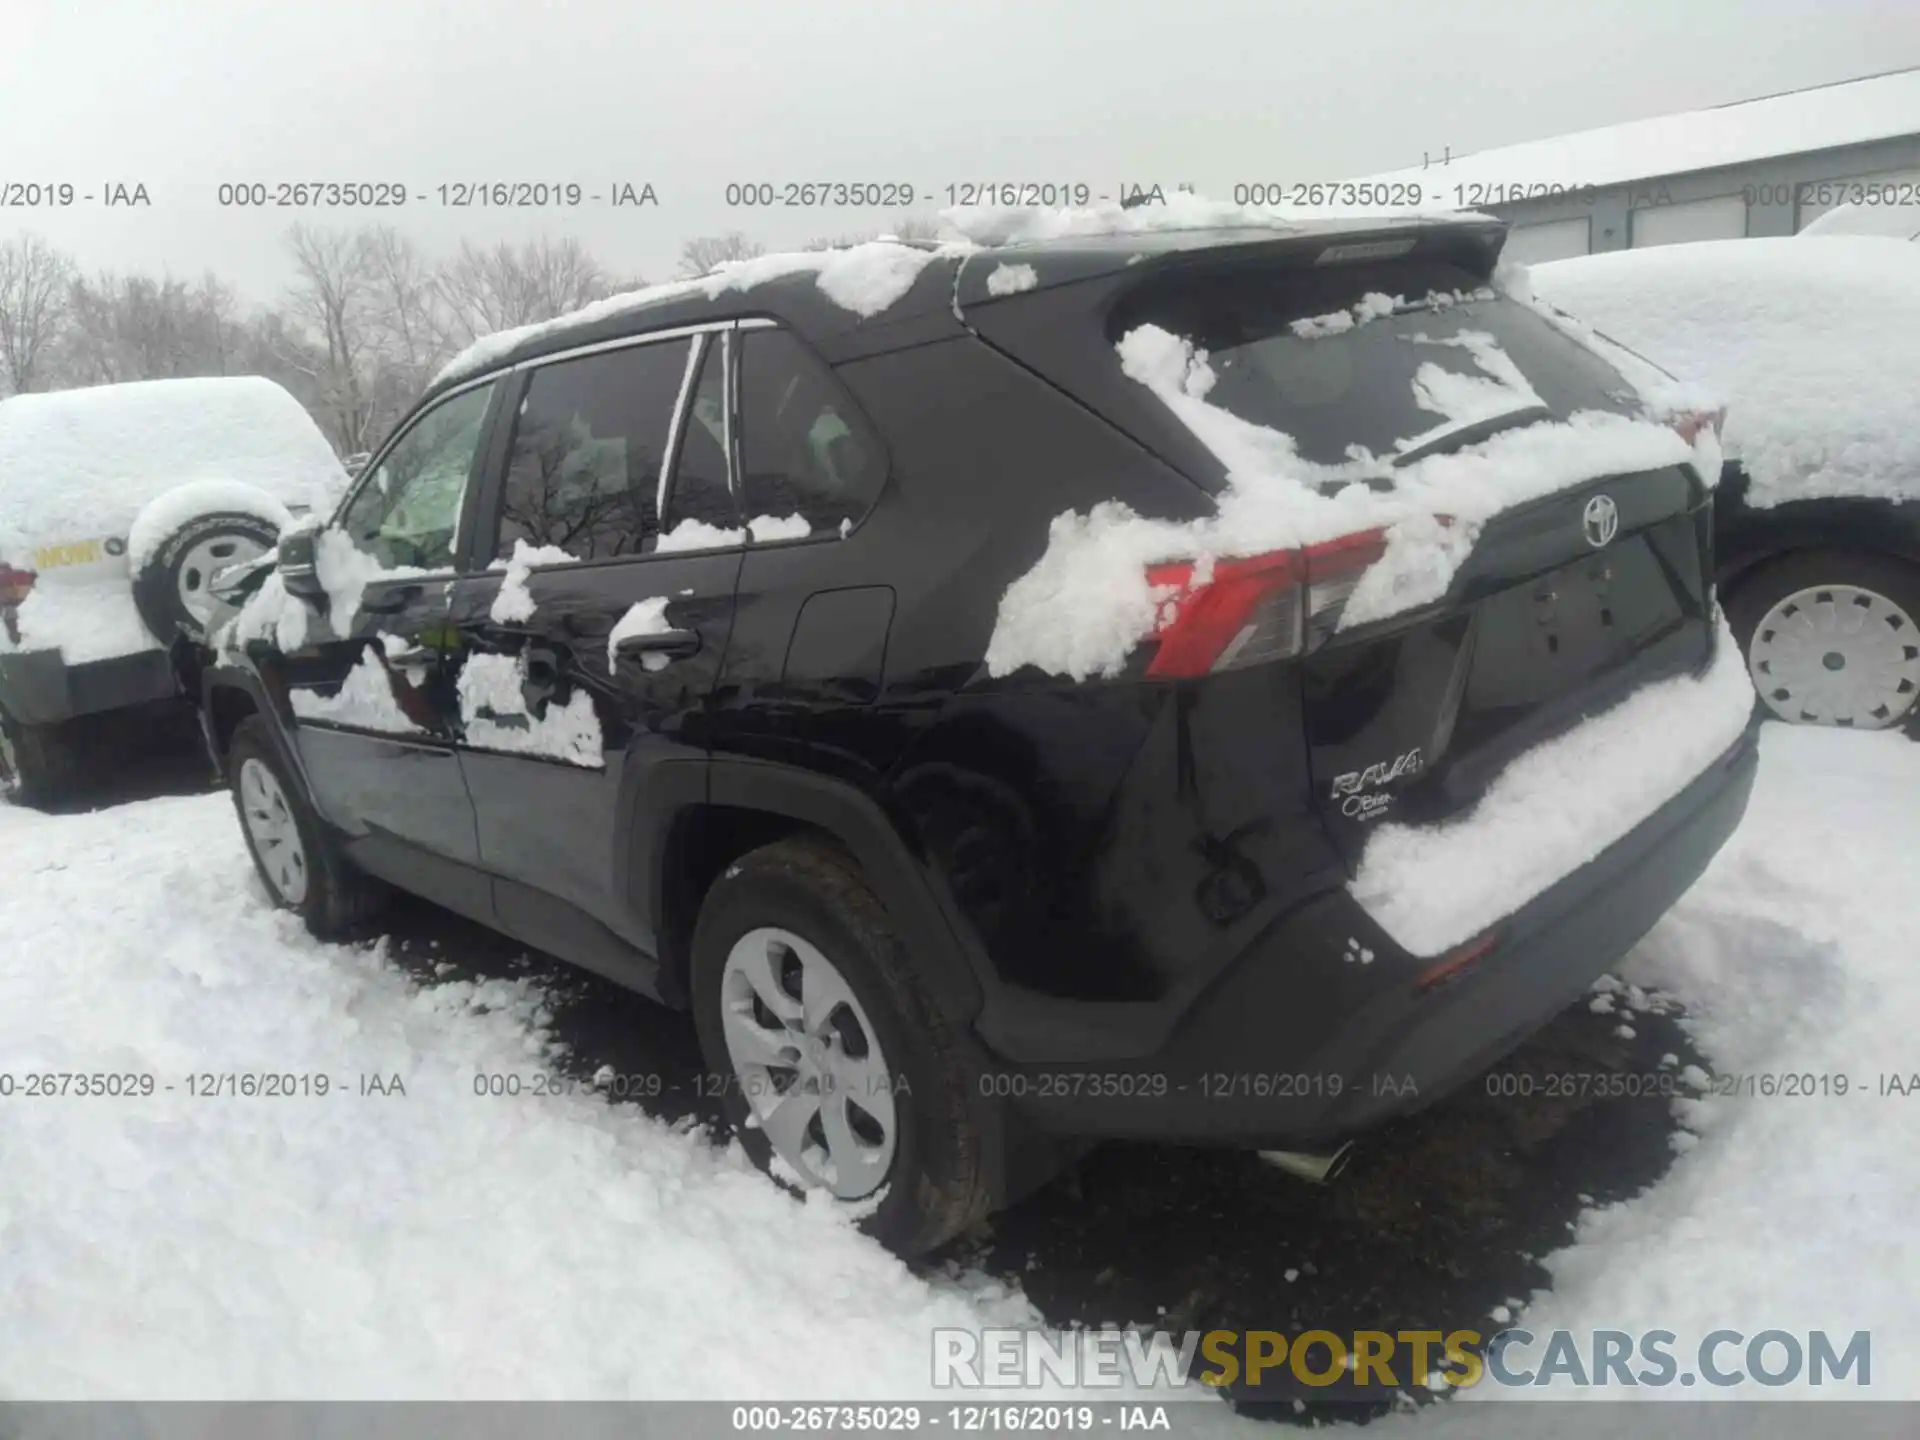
(1406, 358)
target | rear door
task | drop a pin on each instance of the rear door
(371, 699)
(585, 664)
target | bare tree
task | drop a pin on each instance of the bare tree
(334, 299)
(33, 295)
(702, 253)
(483, 291)
(137, 327)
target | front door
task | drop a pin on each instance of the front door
(372, 700)
(583, 658)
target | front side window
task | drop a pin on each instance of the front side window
(803, 450)
(588, 444)
(408, 511)
(700, 509)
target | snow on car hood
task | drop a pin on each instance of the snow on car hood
(82, 463)
(1815, 348)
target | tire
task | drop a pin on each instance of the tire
(333, 897)
(40, 765)
(1863, 608)
(933, 1185)
(170, 590)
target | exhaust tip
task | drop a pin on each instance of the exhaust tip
(1314, 1166)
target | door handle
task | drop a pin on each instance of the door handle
(662, 645)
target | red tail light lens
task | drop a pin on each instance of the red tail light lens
(1246, 610)
(1691, 424)
(14, 585)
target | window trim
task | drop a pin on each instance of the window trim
(477, 468)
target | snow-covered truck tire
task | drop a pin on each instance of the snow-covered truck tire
(187, 536)
(335, 898)
(1854, 659)
(39, 764)
(867, 1019)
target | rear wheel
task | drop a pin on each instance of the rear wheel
(837, 1068)
(298, 860)
(39, 764)
(1832, 637)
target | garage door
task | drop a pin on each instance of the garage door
(1722, 218)
(1549, 240)
(1816, 197)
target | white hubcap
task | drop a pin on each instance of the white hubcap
(275, 836)
(197, 569)
(1837, 655)
(808, 1062)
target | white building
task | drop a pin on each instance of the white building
(1756, 167)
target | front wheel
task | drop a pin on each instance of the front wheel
(836, 1067)
(1832, 637)
(298, 860)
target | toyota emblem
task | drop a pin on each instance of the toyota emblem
(1600, 520)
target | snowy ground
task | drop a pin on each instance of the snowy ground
(439, 1244)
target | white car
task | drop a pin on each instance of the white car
(118, 505)
(1815, 348)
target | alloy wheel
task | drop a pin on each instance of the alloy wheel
(197, 569)
(808, 1062)
(1837, 655)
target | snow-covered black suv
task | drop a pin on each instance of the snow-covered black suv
(1216, 684)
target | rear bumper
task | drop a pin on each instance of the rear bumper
(1299, 1044)
(38, 687)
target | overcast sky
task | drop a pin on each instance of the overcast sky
(180, 95)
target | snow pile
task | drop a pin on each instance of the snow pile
(779, 527)
(1794, 957)
(1895, 222)
(432, 1244)
(345, 571)
(514, 602)
(1552, 809)
(864, 279)
(167, 513)
(86, 617)
(364, 701)
(1815, 347)
(270, 615)
(77, 464)
(1012, 279)
(1087, 603)
(494, 715)
(649, 617)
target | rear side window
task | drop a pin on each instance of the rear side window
(588, 444)
(699, 490)
(1322, 355)
(804, 449)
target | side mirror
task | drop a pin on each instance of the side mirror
(297, 572)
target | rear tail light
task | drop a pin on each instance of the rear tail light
(1690, 424)
(1226, 614)
(14, 585)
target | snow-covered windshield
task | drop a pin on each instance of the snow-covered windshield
(1400, 358)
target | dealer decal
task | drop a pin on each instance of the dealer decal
(76, 552)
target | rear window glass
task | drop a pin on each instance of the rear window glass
(1322, 356)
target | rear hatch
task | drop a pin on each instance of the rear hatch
(1563, 605)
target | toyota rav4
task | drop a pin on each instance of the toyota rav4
(1215, 685)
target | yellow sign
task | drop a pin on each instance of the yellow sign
(79, 552)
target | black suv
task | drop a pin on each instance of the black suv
(591, 682)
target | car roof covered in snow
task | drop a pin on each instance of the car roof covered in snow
(83, 463)
(1894, 222)
(1816, 348)
(887, 293)
(1822, 117)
